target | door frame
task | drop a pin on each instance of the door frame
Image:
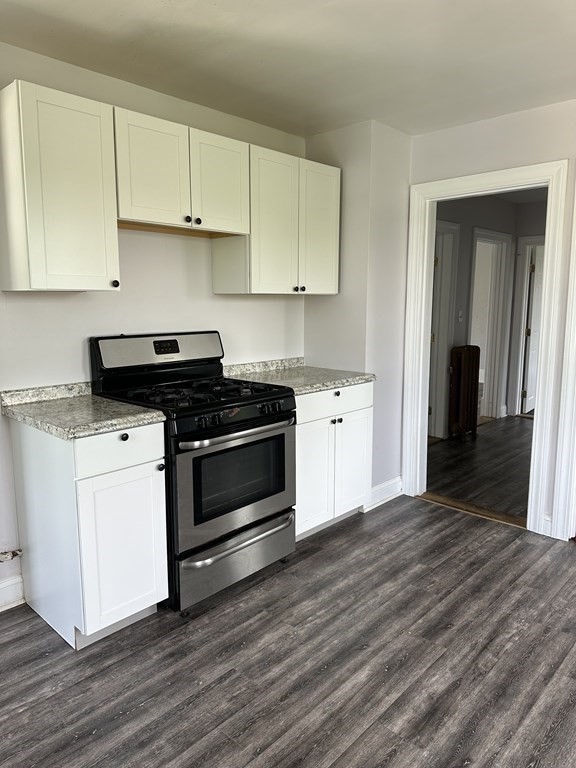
(499, 313)
(445, 282)
(517, 335)
(552, 483)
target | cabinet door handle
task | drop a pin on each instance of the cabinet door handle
(302, 288)
(161, 467)
(197, 221)
(296, 289)
(124, 436)
(340, 421)
(188, 219)
(337, 393)
(115, 283)
(332, 421)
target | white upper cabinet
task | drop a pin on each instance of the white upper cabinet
(295, 228)
(171, 174)
(153, 167)
(319, 227)
(219, 173)
(274, 240)
(58, 191)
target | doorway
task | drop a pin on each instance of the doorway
(548, 509)
(487, 476)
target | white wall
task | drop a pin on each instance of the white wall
(165, 279)
(18, 64)
(363, 328)
(486, 213)
(531, 219)
(522, 139)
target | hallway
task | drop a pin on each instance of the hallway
(488, 475)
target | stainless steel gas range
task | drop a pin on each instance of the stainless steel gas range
(230, 455)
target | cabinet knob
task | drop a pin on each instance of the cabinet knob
(115, 283)
(124, 436)
(296, 289)
(161, 467)
(332, 421)
(197, 221)
(337, 393)
(302, 288)
(340, 421)
(188, 219)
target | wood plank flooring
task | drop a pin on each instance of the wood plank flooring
(413, 636)
(490, 473)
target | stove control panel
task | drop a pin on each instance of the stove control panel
(267, 408)
(211, 420)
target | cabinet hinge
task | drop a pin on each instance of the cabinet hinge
(432, 338)
(429, 410)
(524, 394)
(528, 332)
(435, 261)
(532, 267)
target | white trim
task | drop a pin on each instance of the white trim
(519, 310)
(564, 525)
(384, 492)
(445, 293)
(499, 314)
(11, 592)
(423, 199)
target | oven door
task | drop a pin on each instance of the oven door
(228, 482)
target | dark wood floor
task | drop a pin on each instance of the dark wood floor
(411, 637)
(491, 472)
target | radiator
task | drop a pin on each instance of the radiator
(463, 402)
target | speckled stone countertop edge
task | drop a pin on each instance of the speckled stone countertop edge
(56, 419)
(305, 379)
(41, 394)
(246, 369)
(89, 429)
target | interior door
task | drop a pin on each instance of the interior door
(442, 329)
(533, 320)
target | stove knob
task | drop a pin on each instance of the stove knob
(217, 420)
(276, 407)
(202, 422)
(265, 409)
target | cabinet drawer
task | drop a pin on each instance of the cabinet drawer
(105, 453)
(319, 405)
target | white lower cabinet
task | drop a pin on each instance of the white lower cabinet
(122, 537)
(333, 454)
(92, 521)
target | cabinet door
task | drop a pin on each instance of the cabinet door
(274, 221)
(314, 474)
(220, 182)
(70, 189)
(353, 460)
(122, 531)
(319, 229)
(153, 166)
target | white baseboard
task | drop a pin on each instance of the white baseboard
(385, 492)
(11, 592)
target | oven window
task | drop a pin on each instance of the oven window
(236, 477)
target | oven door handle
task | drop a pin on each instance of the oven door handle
(196, 444)
(189, 565)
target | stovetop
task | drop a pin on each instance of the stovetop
(190, 396)
(181, 374)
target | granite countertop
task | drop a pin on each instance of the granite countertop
(302, 378)
(70, 410)
(80, 415)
